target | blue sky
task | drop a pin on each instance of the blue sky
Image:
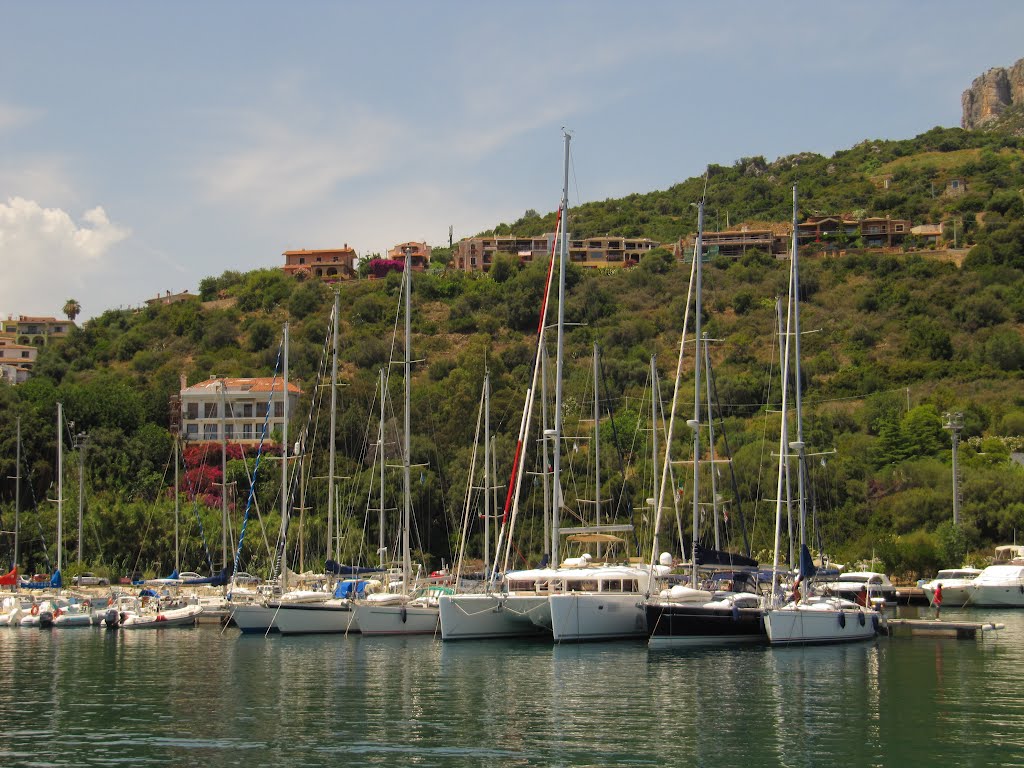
(146, 146)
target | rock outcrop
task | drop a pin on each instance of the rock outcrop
(992, 94)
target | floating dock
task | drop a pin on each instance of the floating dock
(959, 630)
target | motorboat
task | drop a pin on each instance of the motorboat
(129, 612)
(956, 583)
(998, 586)
(850, 586)
(73, 613)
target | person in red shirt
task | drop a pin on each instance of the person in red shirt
(937, 600)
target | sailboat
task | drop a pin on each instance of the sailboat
(258, 616)
(311, 612)
(515, 603)
(807, 618)
(687, 614)
(42, 612)
(409, 611)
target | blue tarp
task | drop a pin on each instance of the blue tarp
(350, 589)
(219, 580)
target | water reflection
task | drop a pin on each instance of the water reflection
(186, 697)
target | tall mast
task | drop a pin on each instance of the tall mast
(17, 496)
(563, 259)
(334, 405)
(224, 471)
(487, 471)
(698, 255)
(656, 497)
(597, 449)
(406, 480)
(545, 478)
(60, 484)
(381, 547)
(284, 469)
(799, 444)
(711, 441)
(177, 461)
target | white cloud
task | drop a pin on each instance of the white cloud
(280, 165)
(49, 254)
(12, 116)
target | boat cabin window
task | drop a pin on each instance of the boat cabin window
(581, 585)
(521, 585)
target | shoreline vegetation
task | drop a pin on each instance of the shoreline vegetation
(897, 341)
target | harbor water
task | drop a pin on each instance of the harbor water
(207, 697)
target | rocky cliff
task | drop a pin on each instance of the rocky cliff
(991, 94)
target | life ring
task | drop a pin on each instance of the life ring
(110, 601)
(35, 609)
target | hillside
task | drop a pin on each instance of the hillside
(898, 340)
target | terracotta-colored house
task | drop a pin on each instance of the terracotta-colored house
(329, 264)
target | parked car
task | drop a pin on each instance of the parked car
(246, 578)
(189, 575)
(90, 580)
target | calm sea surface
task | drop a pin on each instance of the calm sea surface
(206, 698)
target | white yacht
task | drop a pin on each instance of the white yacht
(956, 586)
(600, 602)
(998, 586)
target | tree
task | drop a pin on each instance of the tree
(72, 309)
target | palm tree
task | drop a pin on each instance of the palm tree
(72, 309)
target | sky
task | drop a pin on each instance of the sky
(145, 146)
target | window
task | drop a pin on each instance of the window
(229, 431)
(261, 410)
(191, 430)
(278, 410)
(247, 410)
(192, 411)
(209, 410)
(209, 431)
(247, 431)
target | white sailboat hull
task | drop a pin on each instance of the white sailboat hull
(254, 618)
(597, 616)
(480, 616)
(397, 619)
(328, 617)
(806, 624)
